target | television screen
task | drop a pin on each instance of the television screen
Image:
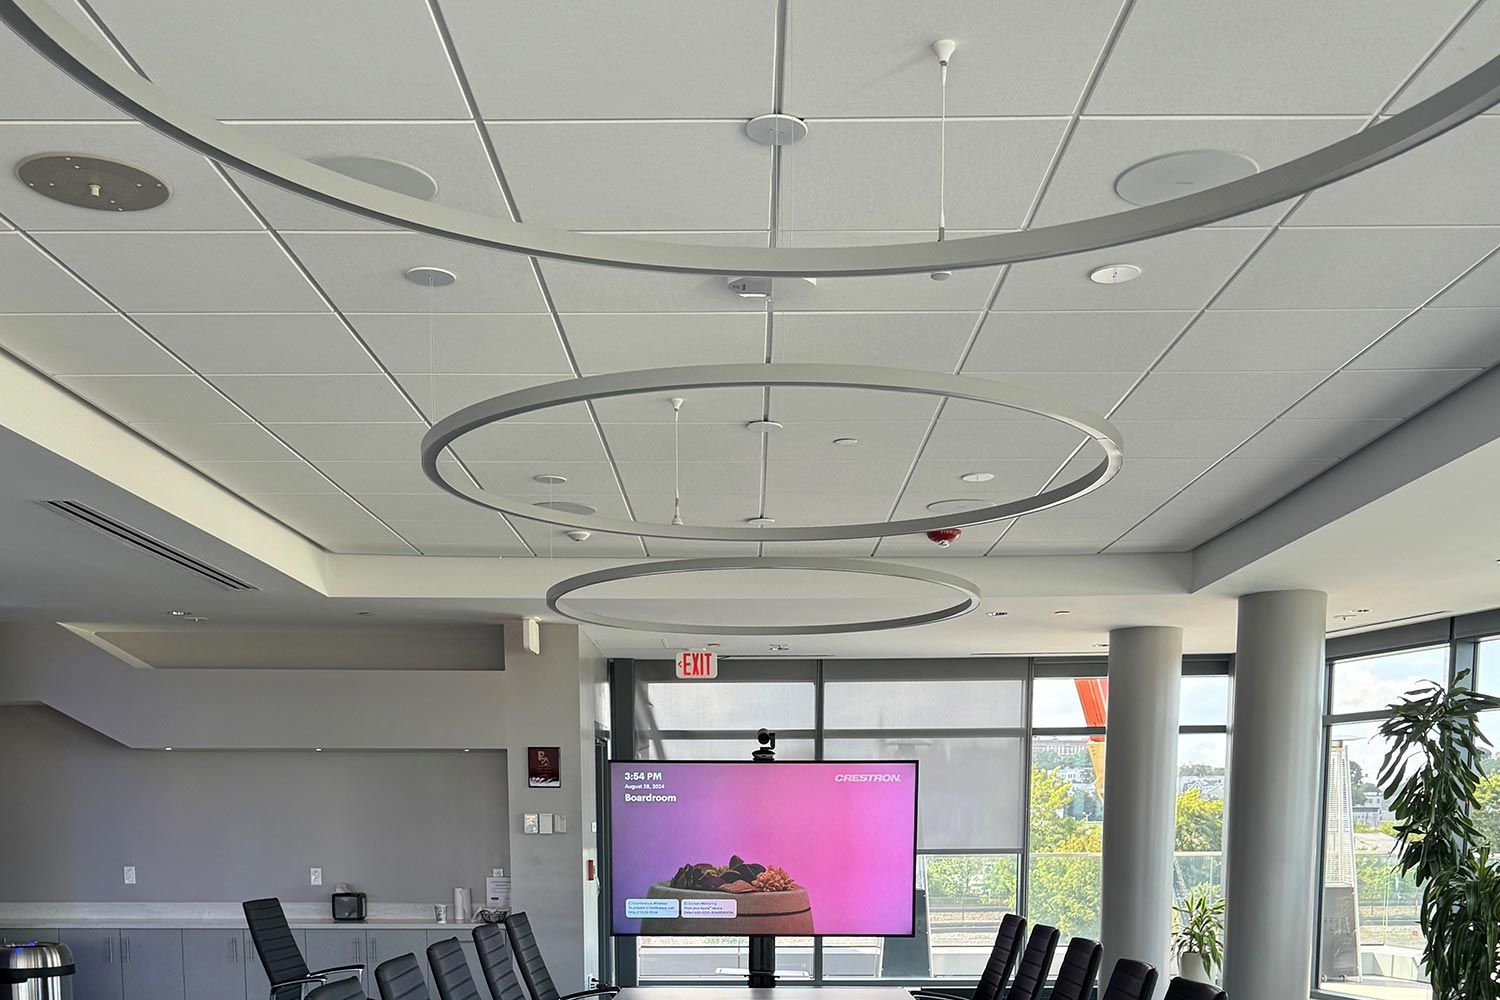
(790, 848)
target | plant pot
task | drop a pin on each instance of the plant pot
(1190, 965)
(781, 913)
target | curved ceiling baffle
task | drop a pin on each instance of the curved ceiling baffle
(75, 54)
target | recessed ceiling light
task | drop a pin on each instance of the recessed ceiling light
(364, 613)
(957, 506)
(1062, 612)
(317, 749)
(760, 520)
(547, 479)
(777, 647)
(1101, 645)
(196, 618)
(567, 507)
(1114, 274)
(431, 277)
(466, 749)
(997, 614)
(175, 613)
(712, 645)
(166, 748)
(851, 442)
(1163, 178)
(763, 426)
(92, 182)
(393, 175)
(977, 477)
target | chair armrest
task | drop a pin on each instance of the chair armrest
(339, 968)
(936, 995)
(601, 991)
(304, 981)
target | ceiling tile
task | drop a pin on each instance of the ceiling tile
(34, 284)
(317, 398)
(1073, 341)
(878, 478)
(701, 508)
(975, 541)
(154, 398)
(267, 477)
(636, 175)
(794, 507)
(853, 58)
(333, 521)
(195, 442)
(680, 548)
(1481, 287)
(1355, 268)
(451, 153)
(284, 59)
(534, 442)
(1288, 340)
(633, 341)
(35, 89)
(1184, 438)
(187, 272)
(1164, 534)
(390, 476)
(584, 479)
(550, 541)
(883, 176)
(617, 62)
(1215, 395)
(580, 288)
(878, 440)
(476, 343)
(921, 341)
(363, 272)
(939, 479)
(1391, 393)
(843, 548)
(1310, 440)
(714, 406)
(361, 442)
(964, 291)
(199, 197)
(699, 479)
(1236, 488)
(1099, 391)
(696, 442)
(1181, 271)
(442, 395)
(260, 343)
(425, 507)
(1141, 485)
(803, 404)
(1100, 150)
(1437, 338)
(1471, 46)
(1445, 182)
(88, 344)
(1031, 437)
(445, 538)
(1266, 58)
(1057, 532)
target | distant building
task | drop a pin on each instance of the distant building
(1210, 786)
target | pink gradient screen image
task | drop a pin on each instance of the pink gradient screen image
(844, 832)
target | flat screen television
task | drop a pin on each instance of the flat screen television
(785, 849)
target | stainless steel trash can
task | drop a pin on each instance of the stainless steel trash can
(35, 970)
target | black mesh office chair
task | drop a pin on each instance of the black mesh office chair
(1036, 962)
(997, 969)
(1130, 980)
(533, 970)
(1187, 989)
(339, 989)
(279, 955)
(1079, 969)
(450, 970)
(493, 945)
(400, 978)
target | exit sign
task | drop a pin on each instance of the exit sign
(697, 664)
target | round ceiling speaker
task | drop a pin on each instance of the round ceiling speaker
(1176, 174)
(957, 506)
(92, 182)
(567, 507)
(393, 175)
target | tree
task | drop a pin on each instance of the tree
(1487, 809)
(1200, 822)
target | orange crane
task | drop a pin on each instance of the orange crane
(1093, 698)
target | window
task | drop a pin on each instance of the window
(1487, 802)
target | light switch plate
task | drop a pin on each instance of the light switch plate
(316, 875)
(559, 823)
(130, 874)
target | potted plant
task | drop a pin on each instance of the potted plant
(1429, 776)
(1198, 931)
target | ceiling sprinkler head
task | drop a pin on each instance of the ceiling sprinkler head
(944, 537)
(940, 275)
(579, 535)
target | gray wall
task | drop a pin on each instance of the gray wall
(224, 825)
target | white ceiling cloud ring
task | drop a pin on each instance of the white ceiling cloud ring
(593, 387)
(558, 592)
(104, 74)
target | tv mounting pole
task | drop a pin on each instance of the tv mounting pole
(763, 946)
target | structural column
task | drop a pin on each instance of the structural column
(1272, 836)
(1140, 794)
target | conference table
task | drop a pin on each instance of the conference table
(807, 992)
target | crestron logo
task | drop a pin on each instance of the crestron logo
(867, 777)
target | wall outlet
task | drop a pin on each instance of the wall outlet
(130, 874)
(316, 874)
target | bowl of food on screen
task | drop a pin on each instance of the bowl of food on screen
(741, 897)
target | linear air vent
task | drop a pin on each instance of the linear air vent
(120, 532)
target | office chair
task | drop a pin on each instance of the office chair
(997, 969)
(1131, 980)
(493, 945)
(339, 989)
(400, 978)
(1187, 989)
(533, 970)
(279, 955)
(1036, 962)
(1079, 969)
(450, 969)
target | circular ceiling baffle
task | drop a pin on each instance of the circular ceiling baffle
(103, 73)
(1036, 401)
(559, 592)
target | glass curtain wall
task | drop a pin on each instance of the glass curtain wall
(1012, 792)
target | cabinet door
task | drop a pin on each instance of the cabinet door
(385, 945)
(465, 941)
(17, 935)
(257, 983)
(151, 964)
(327, 947)
(213, 965)
(96, 957)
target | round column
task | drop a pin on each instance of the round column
(1272, 833)
(1140, 795)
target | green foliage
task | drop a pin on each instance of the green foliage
(1200, 822)
(1487, 809)
(1198, 926)
(1430, 775)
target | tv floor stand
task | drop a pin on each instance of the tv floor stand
(762, 961)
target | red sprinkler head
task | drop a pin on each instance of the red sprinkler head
(944, 536)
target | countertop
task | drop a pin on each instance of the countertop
(209, 916)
